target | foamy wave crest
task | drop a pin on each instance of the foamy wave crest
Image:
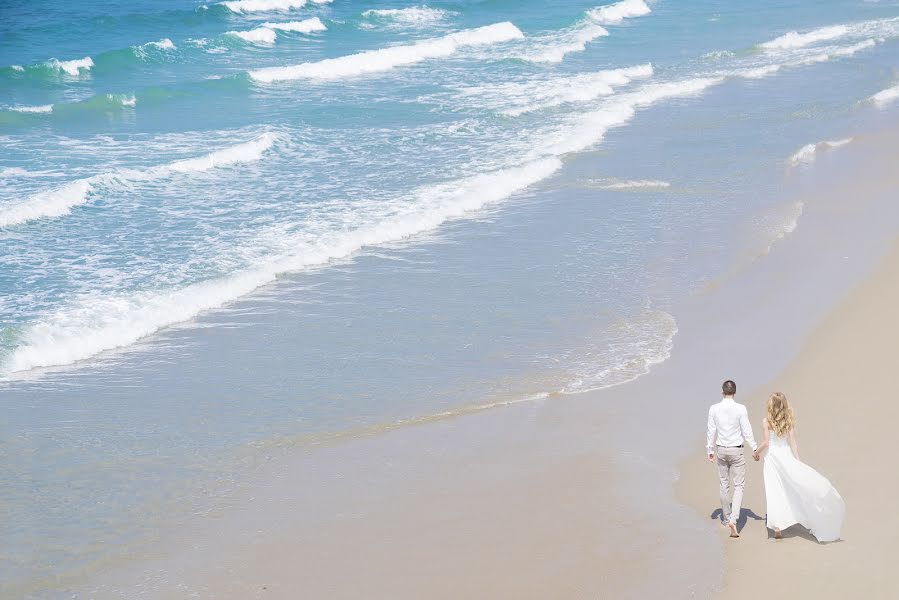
(163, 44)
(306, 26)
(637, 184)
(45, 108)
(99, 323)
(241, 153)
(385, 59)
(887, 96)
(515, 99)
(53, 203)
(794, 39)
(614, 14)
(629, 350)
(564, 42)
(807, 153)
(247, 6)
(804, 58)
(71, 67)
(60, 201)
(585, 130)
(266, 34)
(260, 35)
(415, 16)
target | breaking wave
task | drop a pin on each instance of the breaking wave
(73, 68)
(515, 99)
(385, 59)
(266, 34)
(93, 325)
(415, 16)
(251, 6)
(61, 200)
(887, 96)
(555, 47)
(809, 152)
(795, 39)
(614, 14)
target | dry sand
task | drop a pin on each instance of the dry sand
(843, 390)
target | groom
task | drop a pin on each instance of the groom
(727, 428)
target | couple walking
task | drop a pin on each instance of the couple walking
(794, 491)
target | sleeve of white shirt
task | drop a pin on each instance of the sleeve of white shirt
(710, 435)
(746, 428)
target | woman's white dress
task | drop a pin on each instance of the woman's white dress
(797, 493)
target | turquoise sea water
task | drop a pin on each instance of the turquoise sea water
(231, 228)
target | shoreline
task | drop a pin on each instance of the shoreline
(839, 384)
(562, 496)
(835, 386)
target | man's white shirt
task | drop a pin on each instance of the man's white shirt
(729, 423)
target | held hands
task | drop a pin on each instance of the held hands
(755, 455)
(711, 457)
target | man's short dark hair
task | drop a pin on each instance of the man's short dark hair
(729, 388)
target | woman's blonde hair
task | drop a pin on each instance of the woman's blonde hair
(780, 415)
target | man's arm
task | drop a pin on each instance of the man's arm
(746, 429)
(710, 434)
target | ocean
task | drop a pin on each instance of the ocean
(237, 229)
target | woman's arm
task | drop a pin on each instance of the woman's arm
(794, 445)
(764, 444)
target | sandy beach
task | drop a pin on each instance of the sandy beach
(840, 385)
(841, 388)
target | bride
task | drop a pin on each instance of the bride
(795, 492)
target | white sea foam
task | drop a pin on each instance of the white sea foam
(614, 14)
(240, 153)
(809, 152)
(52, 203)
(384, 59)
(515, 99)
(718, 55)
(13, 172)
(247, 6)
(416, 16)
(794, 39)
(44, 108)
(72, 67)
(61, 200)
(163, 44)
(306, 26)
(887, 96)
(124, 100)
(627, 350)
(260, 35)
(266, 33)
(585, 130)
(802, 58)
(617, 184)
(17, 68)
(554, 48)
(104, 322)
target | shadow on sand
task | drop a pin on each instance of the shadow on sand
(790, 532)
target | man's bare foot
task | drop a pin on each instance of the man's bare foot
(733, 530)
(777, 535)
